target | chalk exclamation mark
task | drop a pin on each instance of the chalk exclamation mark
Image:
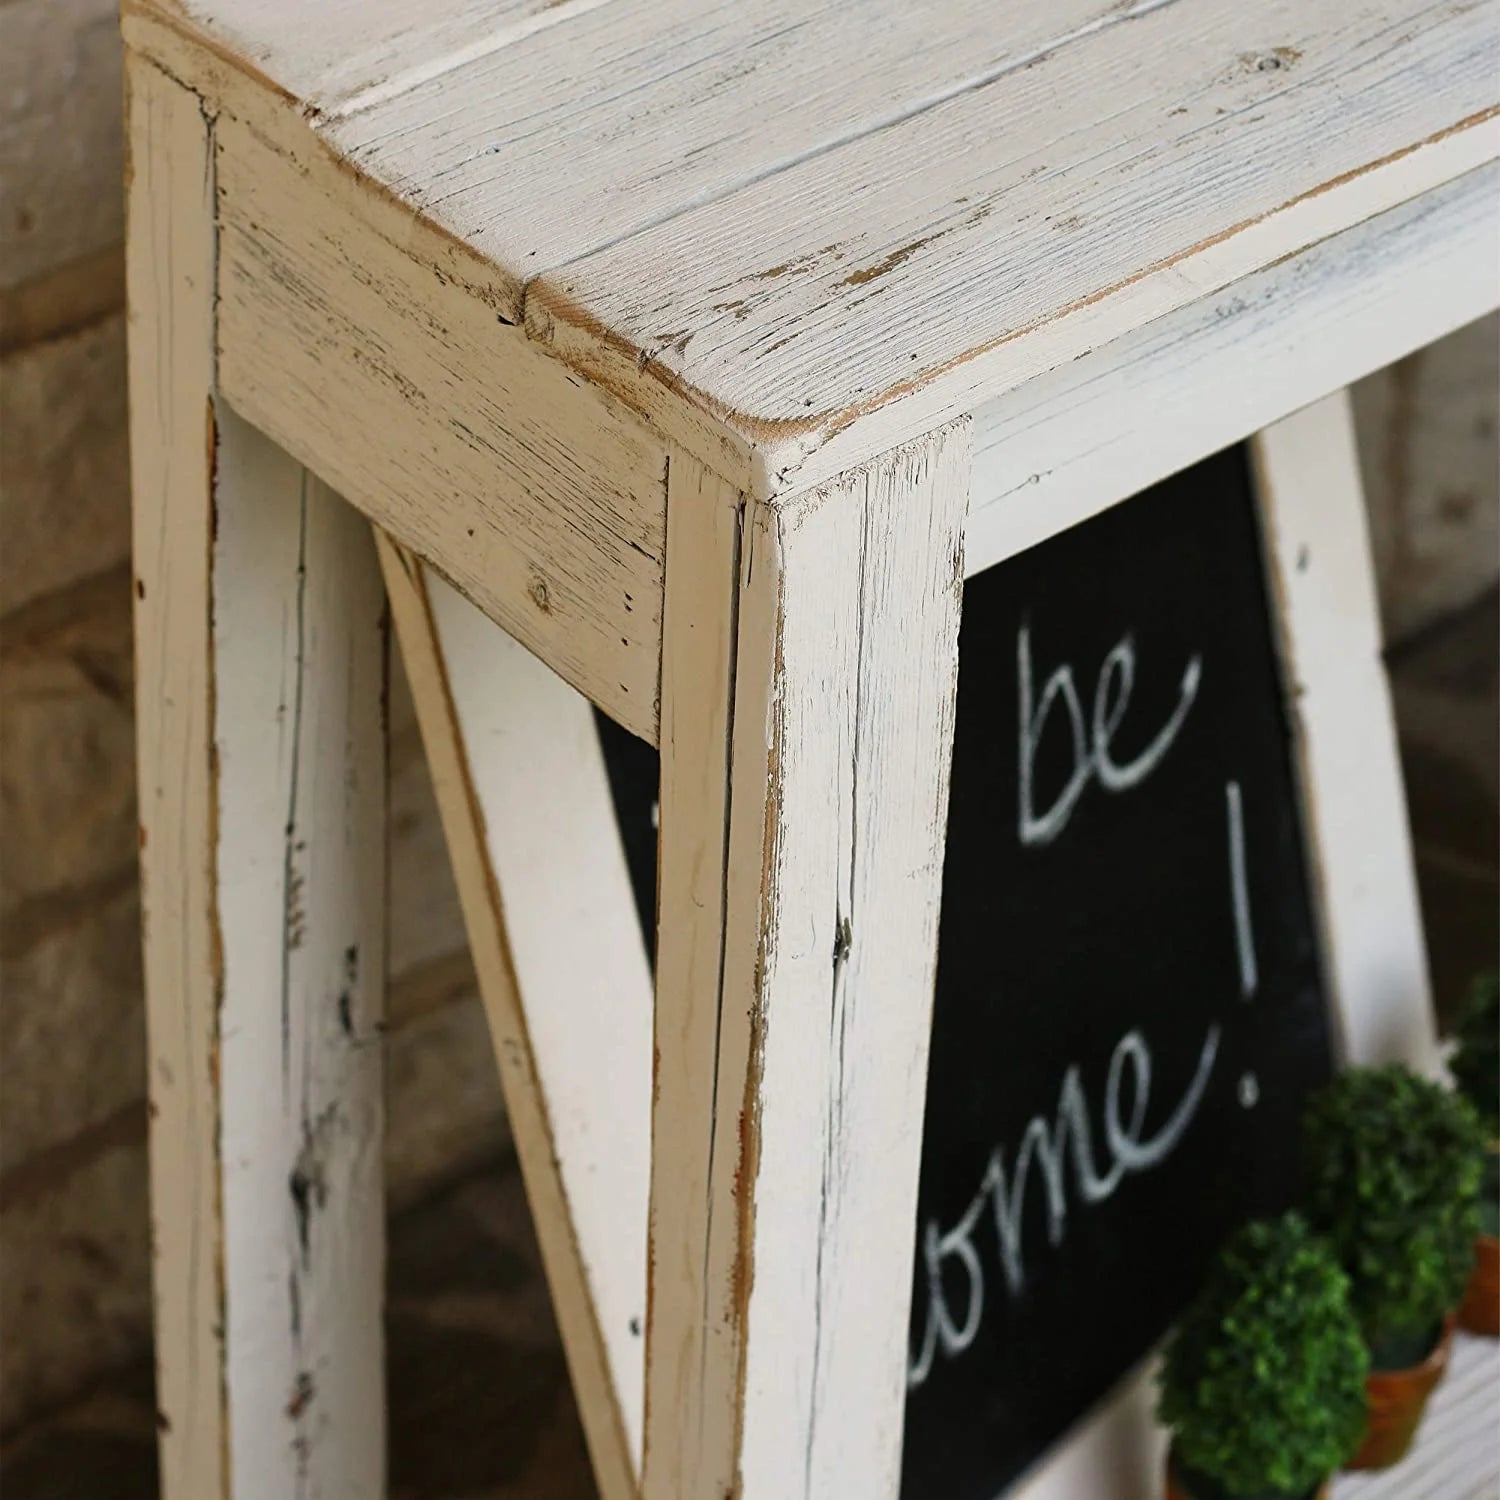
(1244, 935)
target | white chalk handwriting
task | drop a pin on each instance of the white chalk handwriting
(1093, 756)
(1051, 1146)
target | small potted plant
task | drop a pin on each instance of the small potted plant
(1476, 1070)
(1393, 1164)
(1263, 1382)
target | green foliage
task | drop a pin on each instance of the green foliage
(1476, 1064)
(1263, 1384)
(1393, 1166)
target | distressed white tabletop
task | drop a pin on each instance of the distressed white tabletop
(808, 220)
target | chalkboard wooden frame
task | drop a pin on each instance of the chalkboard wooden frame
(1316, 548)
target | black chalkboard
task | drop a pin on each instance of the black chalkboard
(1093, 928)
(634, 771)
(1129, 896)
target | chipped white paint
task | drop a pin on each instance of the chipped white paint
(344, 53)
(741, 294)
(747, 86)
(260, 651)
(540, 498)
(814, 652)
(950, 257)
(1354, 813)
(526, 809)
(299, 667)
(1065, 446)
(685, 1441)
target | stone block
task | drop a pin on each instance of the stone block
(64, 460)
(61, 155)
(1427, 436)
(75, 1298)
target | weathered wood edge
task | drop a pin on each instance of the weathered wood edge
(225, 80)
(539, 495)
(799, 889)
(790, 454)
(1225, 366)
(267, 1201)
(765, 460)
(170, 269)
(1316, 543)
(684, 1454)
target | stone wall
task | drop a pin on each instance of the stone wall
(74, 1290)
(1428, 445)
(74, 1262)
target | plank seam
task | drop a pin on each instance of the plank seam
(862, 131)
(373, 94)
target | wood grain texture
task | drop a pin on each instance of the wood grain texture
(795, 968)
(260, 651)
(1226, 137)
(1354, 813)
(486, 118)
(526, 810)
(170, 272)
(346, 53)
(714, 95)
(1198, 380)
(299, 682)
(540, 498)
(687, 1442)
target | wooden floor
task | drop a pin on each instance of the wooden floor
(480, 1406)
(1458, 1454)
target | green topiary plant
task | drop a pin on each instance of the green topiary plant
(1263, 1383)
(1476, 1063)
(1393, 1165)
(1476, 1071)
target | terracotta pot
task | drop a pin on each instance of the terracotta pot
(1177, 1490)
(1397, 1400)
(1479, 1312)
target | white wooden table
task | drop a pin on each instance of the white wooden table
(686, 355)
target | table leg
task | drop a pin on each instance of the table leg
(530, 828)
(260, 639)
(808, 677)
